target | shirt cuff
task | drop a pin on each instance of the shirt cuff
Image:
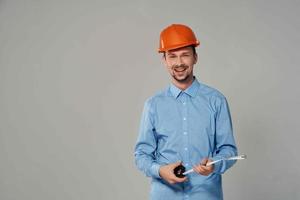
(155, 170)
(217, 165)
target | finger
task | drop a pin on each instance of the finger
(204, 161)
(207, 168)
(200, 169)
(208, 162)
(179, 180)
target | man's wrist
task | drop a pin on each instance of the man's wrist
(155, 169)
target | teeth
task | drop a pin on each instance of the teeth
(179, 70)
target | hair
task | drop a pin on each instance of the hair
(193, 48)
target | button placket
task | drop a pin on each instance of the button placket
(184, 129)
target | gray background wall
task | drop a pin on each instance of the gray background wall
(74, 76)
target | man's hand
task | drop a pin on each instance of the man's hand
(167, 173)
(203, 169)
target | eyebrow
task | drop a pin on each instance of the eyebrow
(170, 53)
(183, 53)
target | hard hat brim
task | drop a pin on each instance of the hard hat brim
(162, 50)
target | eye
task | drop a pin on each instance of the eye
(172, 56)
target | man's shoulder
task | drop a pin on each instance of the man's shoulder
(212, 95)
(210, 91)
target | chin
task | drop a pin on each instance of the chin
(181, 79)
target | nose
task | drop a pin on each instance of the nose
(179, 61)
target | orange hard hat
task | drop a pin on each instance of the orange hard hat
(176, 36)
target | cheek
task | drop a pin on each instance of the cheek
(168, 61)
(191, 65)
(170, 64)
(192, 62)
(170, 70)
(190, 69)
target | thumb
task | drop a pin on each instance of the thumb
(204, 161)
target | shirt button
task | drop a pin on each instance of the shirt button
(186, 196)
(185, 148)
(186, 164)
(183, 103)
(184, 118)
(184, 133)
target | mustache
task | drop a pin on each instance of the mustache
(178, 66)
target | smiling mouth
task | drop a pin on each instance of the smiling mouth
(180, 69)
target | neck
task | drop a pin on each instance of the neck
(183, 85)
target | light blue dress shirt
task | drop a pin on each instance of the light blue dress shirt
(185, 126)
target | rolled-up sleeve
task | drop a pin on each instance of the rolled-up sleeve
(147, 143)
(225, 143)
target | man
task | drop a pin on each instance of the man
(187, 124)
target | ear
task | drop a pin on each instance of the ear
(196, 58)
(164, 61)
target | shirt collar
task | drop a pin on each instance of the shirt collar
(191, 90)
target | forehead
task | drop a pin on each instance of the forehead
(180, 50)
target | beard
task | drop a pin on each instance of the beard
(180, 73)
(181, 79)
